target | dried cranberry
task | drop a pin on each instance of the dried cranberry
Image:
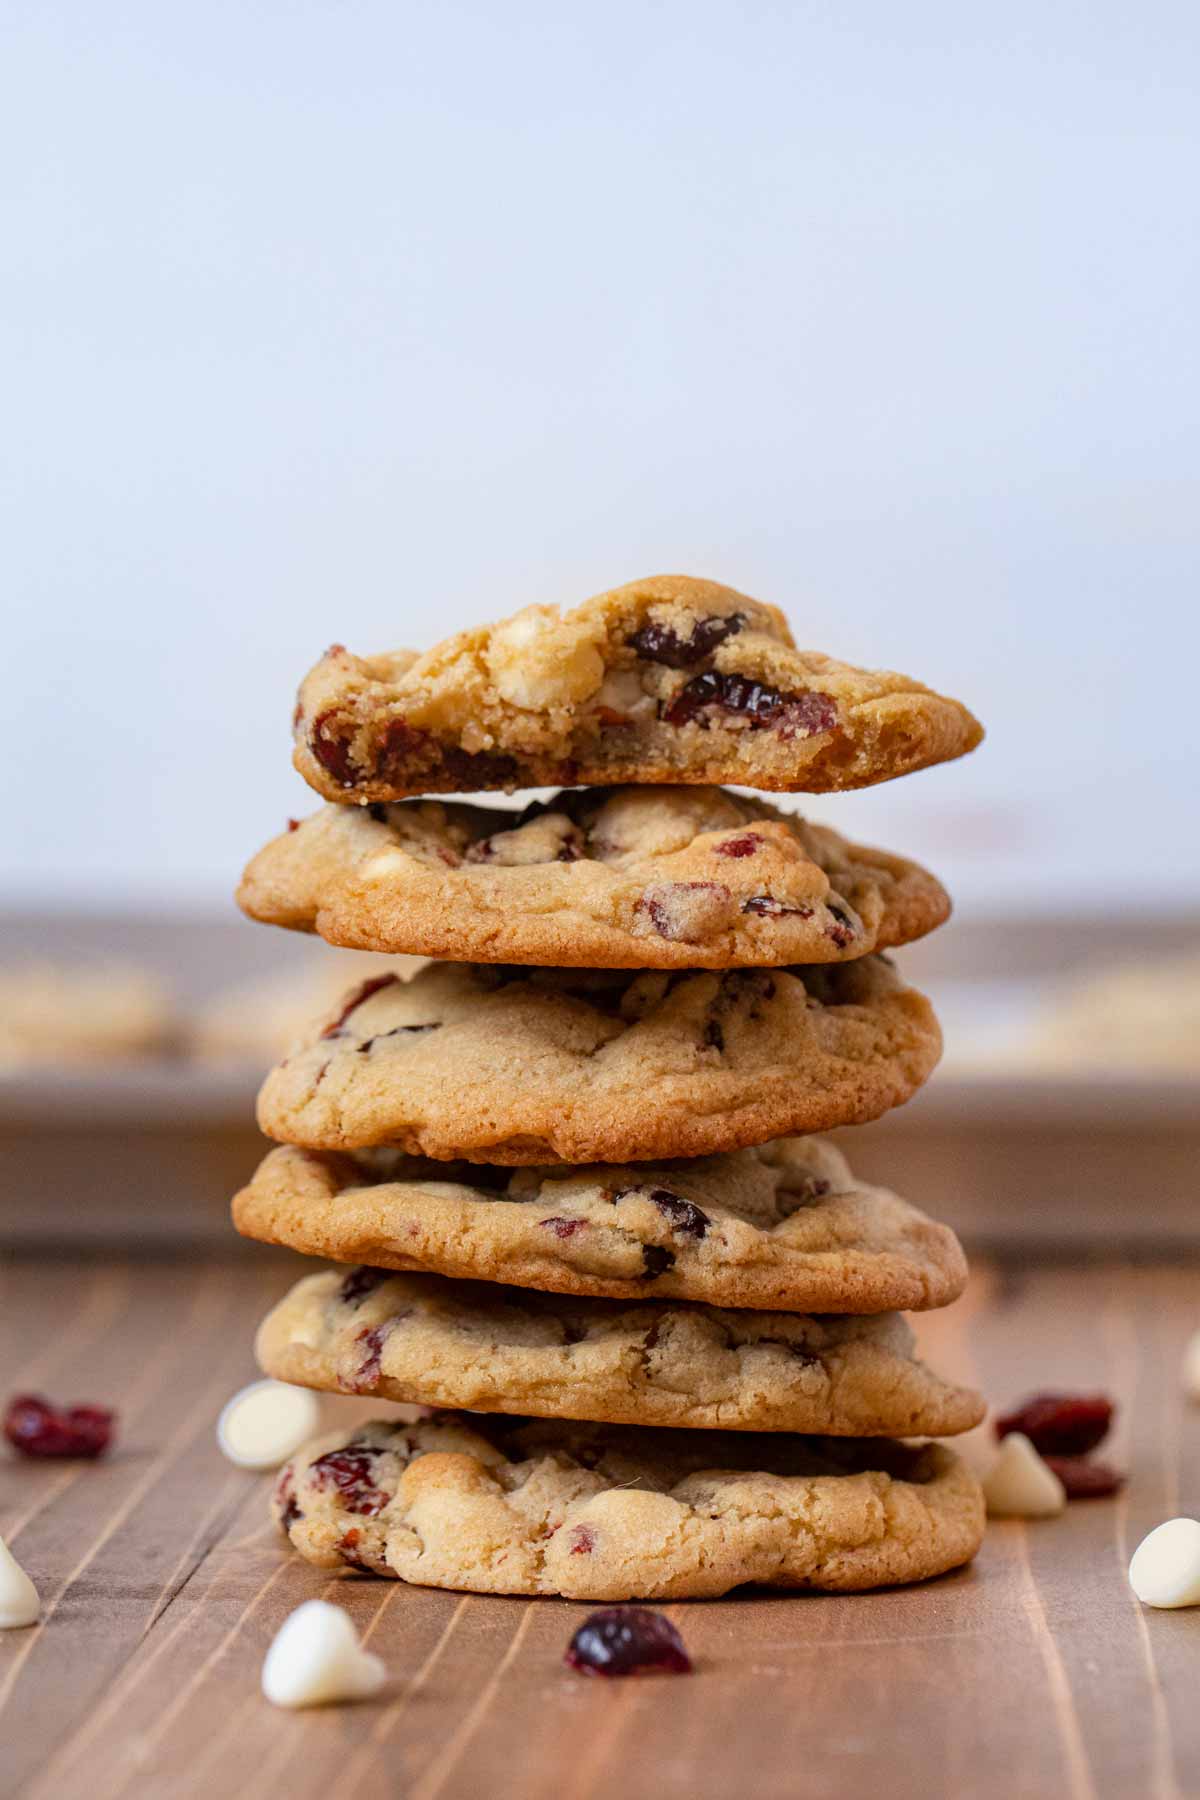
(841, 931)
(791, 715)
(1085, 1480)
(293, 824)
(583, 1541)
(372, 1341)
(471, 769)
(351, 1470)
(684, 1216)
(627, 1640)
(401, 741)
(767, 907)
(332, 748)
(361, 1282)
(354, 1000)
(285, 1498)
(563, 1228)
(746, 845)
(1060, 1424)
(37, 1427)
(348, 1550)
(656, 1261)
(672, 906)
(658, 643)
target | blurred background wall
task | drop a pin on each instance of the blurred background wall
(365, 321)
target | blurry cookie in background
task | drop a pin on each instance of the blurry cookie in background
(257, 1020)
(54, 1012)
(1125, 1019)
(1135, 1016)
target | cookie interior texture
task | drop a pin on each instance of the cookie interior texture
(597, 1512)
(512, 1065)
(427, 1340)
(781, 1226)
(631, 877)
(668, 679)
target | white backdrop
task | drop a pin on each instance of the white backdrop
(365, 320)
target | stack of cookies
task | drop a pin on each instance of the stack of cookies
(566, 1171)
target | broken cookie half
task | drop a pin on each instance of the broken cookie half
(670, 679)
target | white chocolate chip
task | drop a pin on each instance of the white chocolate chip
(1019, 1485)
(19, 1603)
(316, 1659)
(537, 659)
(266, 1423)
(1191, 1367)
(1165, 1568)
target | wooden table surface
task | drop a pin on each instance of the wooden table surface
(1034, 1673)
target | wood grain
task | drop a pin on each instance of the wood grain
(1034, 1674)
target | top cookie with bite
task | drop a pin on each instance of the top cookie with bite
(670, 680)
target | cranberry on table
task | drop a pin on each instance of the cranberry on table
(627, 1640)
(1060, 1424)
(1084, 1479)
(36, 1427)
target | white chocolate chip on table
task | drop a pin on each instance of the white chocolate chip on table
(1165, 1568)
(19, 1602)
(1019, 1485)
(266, 1423)
(316, 1659)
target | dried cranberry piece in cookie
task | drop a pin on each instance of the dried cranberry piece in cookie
(683, 1214)
(351, 1471)
(355, 999)
(660, 644)
(842, 930)
(331, 747)
(748, 843)
(361, 1282)
(36, 1427)
(791, 715)
(1083, 1479)
(687, 911)
(1060, 1424)
(627, 1640)
(371, 1342)
(767, 907)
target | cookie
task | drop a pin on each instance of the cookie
(597, 1512)
(425, 1340)
(664, 680)
(782, 1226)
(54, 1012)
(506, 1065)
(620, 878)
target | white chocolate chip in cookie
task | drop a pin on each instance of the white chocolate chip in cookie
(19, 1603)
(1019, 1485)
(538, 659)
(266, 1423)
(1165, 1568)
(316, 1659)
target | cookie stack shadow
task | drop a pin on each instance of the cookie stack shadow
(646, 1326)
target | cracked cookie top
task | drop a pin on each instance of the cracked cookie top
(669, 679)
(513, 1065)
(630, 877)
